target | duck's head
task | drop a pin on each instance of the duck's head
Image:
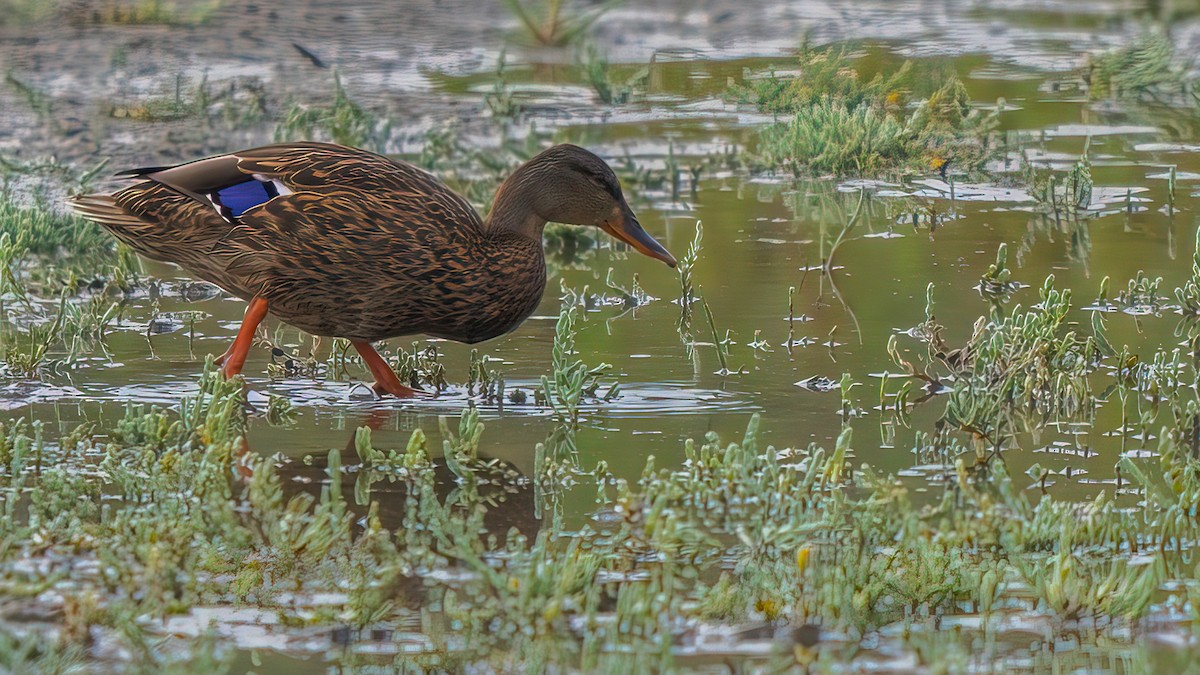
(568, 184)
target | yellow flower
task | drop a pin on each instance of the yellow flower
(768, 607)
(802, 558)
(893, 99)
(936, 163)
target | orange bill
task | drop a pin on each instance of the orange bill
(623, 225)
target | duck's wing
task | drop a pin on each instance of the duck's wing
(233, 184)
(357, 243)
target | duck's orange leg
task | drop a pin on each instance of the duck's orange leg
(386, 381)
(235, 357)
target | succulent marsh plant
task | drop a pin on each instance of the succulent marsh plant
(572, 381)
(834, 123)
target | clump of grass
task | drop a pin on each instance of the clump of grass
(1148, 68)
(830, 137)
(549, 23)
(40, 230)
(26, 353)
(38, 177)
(1073, 588)
(670, 179)
(36, 653)
(824, 74)
(836, 123)
(610, 88)
(1028, 364)
(343, 121)
(239, 103)
(500, 100)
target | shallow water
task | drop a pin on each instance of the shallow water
(762, 235)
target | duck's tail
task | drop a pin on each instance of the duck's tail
(103, 210)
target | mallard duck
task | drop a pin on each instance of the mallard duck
(341, 242)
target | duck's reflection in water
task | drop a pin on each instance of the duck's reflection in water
(503, 492)
(500, 492)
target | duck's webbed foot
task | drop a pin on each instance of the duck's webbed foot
(386, 381)
(395, 388)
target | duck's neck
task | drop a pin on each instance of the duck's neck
(513, 209)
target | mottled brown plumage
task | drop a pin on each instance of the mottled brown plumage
(360, 246)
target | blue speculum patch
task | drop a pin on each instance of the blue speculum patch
(243, 196)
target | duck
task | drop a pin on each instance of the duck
(346, 243)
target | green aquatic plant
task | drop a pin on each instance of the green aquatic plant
(1027, 365)
(827, 73)
(1073, 588)
(688, 293)
(572, 380)
(1188, 295)
(343, 121)
(500, 100)
(20, 12)
(996, 285)
(550, 24)
(1065, 199)
(421, 367)
(1147, 68)
(566, 244)
(674, 174)
(609, 88)
(831, 137)
(27, 352)
(1141, 295)
(482, 380)
(476, 173)
(36, 653)
(720, 345)
(40, 230)
(835, 123)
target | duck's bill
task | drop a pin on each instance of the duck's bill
(629, 230)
